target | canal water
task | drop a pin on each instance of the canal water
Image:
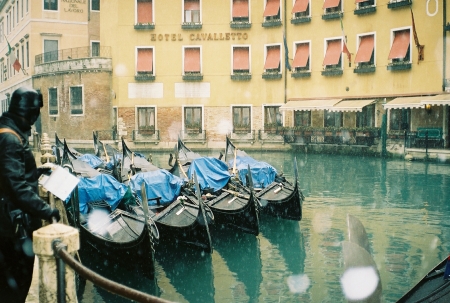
(404, 206)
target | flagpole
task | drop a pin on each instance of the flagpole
(9, 52)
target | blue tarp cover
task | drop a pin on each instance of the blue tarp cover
(262, 173)
(211, 172)
(92, 160)
(102, 187)
(158, 183)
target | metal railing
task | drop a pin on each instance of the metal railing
(73, 53)
(111, 286)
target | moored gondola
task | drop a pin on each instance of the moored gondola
(108, 227)
(278, 196)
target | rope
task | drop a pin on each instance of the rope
(108, 285)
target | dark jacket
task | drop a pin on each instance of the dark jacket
(18, 174)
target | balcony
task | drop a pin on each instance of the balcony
(144, 26)
(144, 76)
(191, 25)
(74, 59)
(330, 72)
(271, 75)
(365, 10)
(240, 24)
(301, 74)
(192, 77)
(140, 135)
(393, 4)
(196, 135)
(241, 76)
(332, 15)
(399, 66)
(364, 69)
(301, 20)
(272, 22)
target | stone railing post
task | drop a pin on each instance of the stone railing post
(43, 247)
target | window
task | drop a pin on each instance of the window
(366, 117)
(240, 11)
(53, 101)
(272, 10)
(333, 56)
(399, 119)
(191, 11)
(364, 3)
(193, 118)
(332, 6)
(366, 51)
(301, 9)
(76, 100)
(95, 49)
(272, 64)
(192, 61)
(95, 5)
(332, 118)
(28, 54)
(144, 11)
(21, 10)
(144, 60)
(241, 119)
(17, 11)
(401, 46)
(301, 58)
(23, 56)
(241, 60)
(146, 119)
(51, 5)
(302, 118)
(272, 116)
(50, 50)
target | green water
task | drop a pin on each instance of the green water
(404, 207)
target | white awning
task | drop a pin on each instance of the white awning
(443, 99)
(350, 105)
(405, 102)
(309, 104)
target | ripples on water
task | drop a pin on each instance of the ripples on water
(403, 206)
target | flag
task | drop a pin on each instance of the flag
(344, 45)
(286, 53)
(416, 39)
(13, 59)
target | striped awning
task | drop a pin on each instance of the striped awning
(350, 105)
(405, 102)
(443, 99)
(306, 105)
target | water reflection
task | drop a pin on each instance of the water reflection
(403, 206)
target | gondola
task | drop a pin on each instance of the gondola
(58, 150)
(180, 219)
(230, 205)
(278, 197)
(111, 229)
(183, 159)
(434, 287)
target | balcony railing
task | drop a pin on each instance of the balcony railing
(73, 53)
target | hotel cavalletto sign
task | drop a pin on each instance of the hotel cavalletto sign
(199, 37)
(74, 6)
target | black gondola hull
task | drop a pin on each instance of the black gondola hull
(286, 203)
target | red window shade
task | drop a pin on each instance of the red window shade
(300, 6)
(273, 57)
(240, 8)
(333, 53)
(144, 12)
(365, 49)
(330, 3)
(241, 58)
(301, 55)
(191, 5)
(272, 8)
(145, 60)
(192, 59)
(400, 44)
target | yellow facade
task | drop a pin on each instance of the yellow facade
(216, 93)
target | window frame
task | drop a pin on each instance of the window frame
(399, 125)
(152, 73)
(278, 122)
(201, 61)
(366, 4)
(308, 64)
(410, 48)
(92, 5)
(193, 106)
(266, 51)
(275, 17)
(301, 113)
(336, 9)
(137, 15)
(155, 112)
(51, 107)
(362, 117)
(92, 48)
(372, 61)
(241, 19)
(306, 13)
(48, 3)
(248, 126)
(183, 13)
(71, 101)
(340, 64)
(51, 56)
(337, 117)
(236, 72)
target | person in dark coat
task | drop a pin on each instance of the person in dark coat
(19, 190)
